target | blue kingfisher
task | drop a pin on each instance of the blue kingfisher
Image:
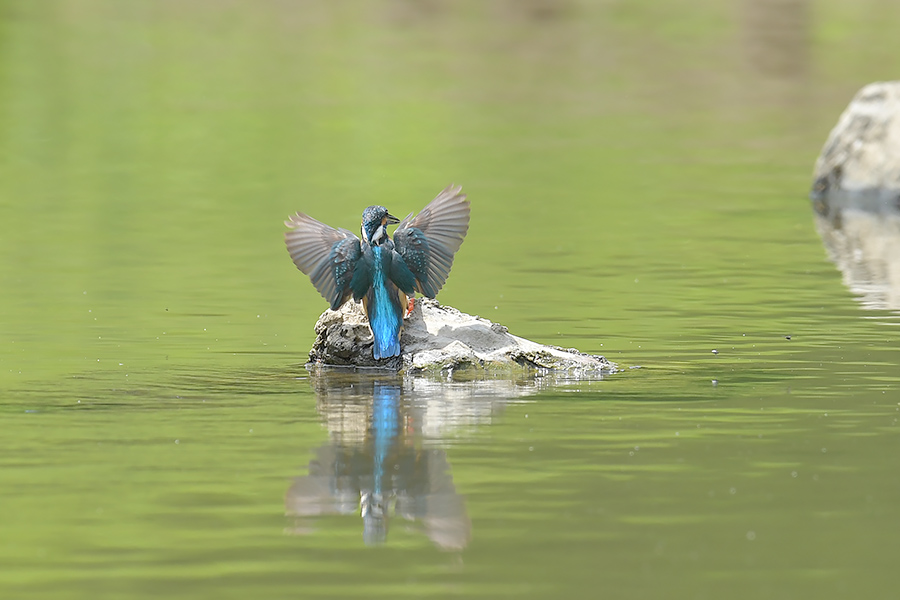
(384, 273)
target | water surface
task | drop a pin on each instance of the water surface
(638, 176)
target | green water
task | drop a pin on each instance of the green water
(638, 175)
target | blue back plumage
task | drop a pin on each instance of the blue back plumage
(377, 267)
(385, 314)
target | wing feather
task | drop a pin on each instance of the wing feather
(328, 255)
(428, 242)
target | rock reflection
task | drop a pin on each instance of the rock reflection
(861, 232)
(384, 459)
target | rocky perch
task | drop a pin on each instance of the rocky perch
(439, 338)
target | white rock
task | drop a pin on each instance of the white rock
(862, 153)
(863, 150)
(856, 195)
(441, 338)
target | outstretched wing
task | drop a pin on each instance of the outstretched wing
(428, 242)
(328, 255)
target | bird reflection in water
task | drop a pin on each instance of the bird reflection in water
(375, 466)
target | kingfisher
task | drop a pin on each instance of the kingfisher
(384, 273)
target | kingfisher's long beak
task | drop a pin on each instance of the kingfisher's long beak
(392, 220)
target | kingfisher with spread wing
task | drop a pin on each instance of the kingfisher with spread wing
(384, 273)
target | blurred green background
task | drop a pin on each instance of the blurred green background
(151, 151)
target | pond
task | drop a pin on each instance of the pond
(639, 176)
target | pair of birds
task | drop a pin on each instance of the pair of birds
(384, 273)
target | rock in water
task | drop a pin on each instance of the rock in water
(862, 153)
(441, 338)
(856, 195)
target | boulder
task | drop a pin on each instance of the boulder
(856, 195)
(862, 153)
(443, 339)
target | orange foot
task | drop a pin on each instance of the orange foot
(410, 306)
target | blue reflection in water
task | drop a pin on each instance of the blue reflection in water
(385, 417)
(377, 462)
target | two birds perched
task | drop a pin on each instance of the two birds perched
(384, 273)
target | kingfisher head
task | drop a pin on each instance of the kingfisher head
(375, 220)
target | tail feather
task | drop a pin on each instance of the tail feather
(385, 320)
(386, 348)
